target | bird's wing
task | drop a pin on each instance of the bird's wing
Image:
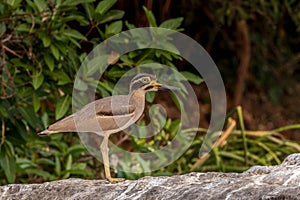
(112, 106)
(115, 114)
(109, 113)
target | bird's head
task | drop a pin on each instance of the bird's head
(148, 82)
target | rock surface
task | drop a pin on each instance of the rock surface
(273, 182)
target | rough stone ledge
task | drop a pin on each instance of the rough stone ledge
(273, 182)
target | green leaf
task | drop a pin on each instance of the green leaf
(75, 42)
(82, 172)
(49, 61)
(45, 39)
(68, 166)
(106, 85)
(57, 165)
(45, 161)
(62, 77)
(69, 162)
(55, 51)
(95, 64)
(37, 80)
(3, 111)
(172, 23)
(24, 163)
(8, 161)
(114, 28)
(32, 5)
(150, 96)
(111, 15)
(167, 46)
(192, 77)
(23, 28)
(125, 58)
(79, 166)
(29, 116)
(89, 10)
(174, 127)
(61, 48)
(35, 102)
(45, 119)
(115, 72)
(74, 34)
(103, 92)
(14, 3)
(150, 17)
(40, 4)
(129, 26)
(2, 28)
(104, 6)
(77, 149)
(62, 106)
(41, 173)
(75, 2)
(80, 85)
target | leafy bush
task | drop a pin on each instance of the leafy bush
(42, 50)
(43, 45)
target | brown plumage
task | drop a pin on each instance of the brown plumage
(99, 117)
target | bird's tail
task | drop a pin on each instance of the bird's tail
(65, 125)
(46, 132)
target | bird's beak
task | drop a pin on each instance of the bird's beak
(160, 86)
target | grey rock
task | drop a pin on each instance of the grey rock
(259, 182)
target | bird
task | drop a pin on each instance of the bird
(110, 115)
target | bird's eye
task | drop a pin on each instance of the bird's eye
(145, 80)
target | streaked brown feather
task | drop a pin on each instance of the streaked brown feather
(110, 113)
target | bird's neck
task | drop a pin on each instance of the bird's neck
(137, 97)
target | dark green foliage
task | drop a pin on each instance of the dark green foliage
(42, 45)
(42, 50)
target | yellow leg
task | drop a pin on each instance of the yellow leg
(104, 151)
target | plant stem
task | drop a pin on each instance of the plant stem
(241, 120)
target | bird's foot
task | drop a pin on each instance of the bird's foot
(115, 180)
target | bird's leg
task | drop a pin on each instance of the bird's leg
(104, 151)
